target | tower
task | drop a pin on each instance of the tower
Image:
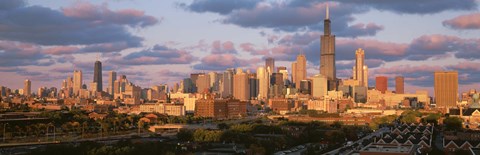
(300, 70)
(97, 76)
(112, 76)
(77, 82)
(327, 54)
(360, 70)
(27, 88)
(381, 83)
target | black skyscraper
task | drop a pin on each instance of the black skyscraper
(97, 75)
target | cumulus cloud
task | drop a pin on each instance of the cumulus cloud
(221, 48)
(219, 6)
(22, 54)
(428, 46)
(223, 61)
(158, 55)
(76, 25)
(469, 21)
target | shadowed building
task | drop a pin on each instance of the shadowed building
(97, 76)
(270, 64)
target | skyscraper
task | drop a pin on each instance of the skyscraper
(253, 85)
(319, 86)
(227, 83)
(263, 83)
(327, 54)
(112, 76)
(399, 87)
(27, 87)
(360, 70)
(203, 83)
(270, 63)
(300, 70)
(446, 88)
(97, 76)
(77, 82)
(381, 83)
(240, 85)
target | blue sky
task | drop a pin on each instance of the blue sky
(156, 42)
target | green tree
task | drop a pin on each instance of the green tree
(453, 123)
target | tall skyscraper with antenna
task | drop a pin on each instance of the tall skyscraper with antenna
(327, 54)
(97, 75)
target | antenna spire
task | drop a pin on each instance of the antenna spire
(327, 14)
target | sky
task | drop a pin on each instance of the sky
(162, 42)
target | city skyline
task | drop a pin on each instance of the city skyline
(148, 60)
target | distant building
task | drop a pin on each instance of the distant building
(270, 64)
(168, 109)
(210, 107)
(77, 82)
(319, 86)
(27, 88)
(280, 105)
(112, 76)
(360, 70)
(203, 83)
(399, 85)
(446, 89)
(240, 86)
(97, 76)
(263, 83)
(381, 83)
(299, 69)
(327, 54)
(325, 105)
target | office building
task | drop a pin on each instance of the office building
(270, 64)
(446, 88)
(77, 82)
(300, 70)
(240, 85)
(381, 83)
(97, 76)
(360, 70)
(27, 88)
(112, 76)
(319, 86)
(226, 83)
(399, 85)
(203, 83)
(263, 83)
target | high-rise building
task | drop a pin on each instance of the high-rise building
(294, 72)
(284, 71)
(112, 76)
(446, 88)
(319, 86)
(300, 70)
(263, 83)
(399, 85)
(240, 85)
(253, 83)
(327, 54)
(381, 83)
(203, 83)
(270, 64)
(227, 83)
(27, 88)
(97, 76)
(360, 70)
(77, 82)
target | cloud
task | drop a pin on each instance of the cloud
(428, 46)
(45, 26)
(103, 15)
(223, 61)
(22, 54)
(416, 7)
(219, 6)
(158, 55)
(469, 21)
(223, 48)
(8, 5)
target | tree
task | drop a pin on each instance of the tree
(185, 135)
(453, 123)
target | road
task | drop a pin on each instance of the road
(376, 133)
